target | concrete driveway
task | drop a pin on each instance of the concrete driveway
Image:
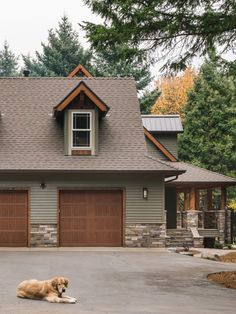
(123, 281)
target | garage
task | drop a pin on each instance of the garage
(13, 218)
(91, 218)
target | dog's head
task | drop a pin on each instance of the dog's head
(59, 284)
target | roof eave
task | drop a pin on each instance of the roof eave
(202, 183)
(36, 171)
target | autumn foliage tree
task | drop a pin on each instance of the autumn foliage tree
(174, 92)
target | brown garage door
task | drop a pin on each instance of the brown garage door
(13, 218)
(91, 218)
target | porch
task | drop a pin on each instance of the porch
(198, 213)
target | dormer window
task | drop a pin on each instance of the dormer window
(81, 130)
(82, 110)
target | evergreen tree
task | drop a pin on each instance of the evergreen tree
(209, 138)
(114, 62)
(36, 67)
(178, 30)
(147, 100)
(8, 62)
(61, 54)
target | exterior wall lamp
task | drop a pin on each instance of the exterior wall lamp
(145, 193)
(43, 185)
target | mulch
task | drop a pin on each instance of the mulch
(226, 278)
(228, 258)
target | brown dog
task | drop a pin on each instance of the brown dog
(48, 290)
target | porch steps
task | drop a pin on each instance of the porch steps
(179, 238)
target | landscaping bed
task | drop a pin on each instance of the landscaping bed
(226, 278)
(228, 258)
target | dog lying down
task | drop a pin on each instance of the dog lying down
(47, 290)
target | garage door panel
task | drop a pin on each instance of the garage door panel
(13, 218)
(91, 218)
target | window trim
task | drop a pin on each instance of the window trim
(90, 130)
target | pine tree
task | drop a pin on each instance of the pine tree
(209, 138)
(147, 100)
(8, 62)
(36, 67)
(115, 62)
(177, 30)
(61, 54)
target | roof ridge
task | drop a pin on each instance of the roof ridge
(214, 172)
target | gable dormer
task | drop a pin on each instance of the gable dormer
(81, 111)
(162, 134)
(80, 70)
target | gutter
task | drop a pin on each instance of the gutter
(76, 171)
(176, 177)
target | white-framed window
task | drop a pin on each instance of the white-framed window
(81, 122)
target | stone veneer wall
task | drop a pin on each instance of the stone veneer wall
(145, 235)
(192, 218)
(221, 225)
(43, 235)
(228, 226)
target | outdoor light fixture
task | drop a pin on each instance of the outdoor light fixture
(145, 193)
(43, 185)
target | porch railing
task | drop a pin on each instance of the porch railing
(206, 219)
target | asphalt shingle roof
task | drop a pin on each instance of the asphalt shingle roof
(31, 138)
(196, 174)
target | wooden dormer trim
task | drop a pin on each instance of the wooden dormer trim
(80, 69)
(159, 145)
(83, 89)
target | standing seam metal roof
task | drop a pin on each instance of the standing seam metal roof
(162, 123)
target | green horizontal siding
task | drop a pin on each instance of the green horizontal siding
(170, 142)
(153, 151)
(44, 201)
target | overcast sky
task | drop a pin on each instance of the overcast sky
(25, 23)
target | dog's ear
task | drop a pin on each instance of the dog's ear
(66, 282)
(54, 282)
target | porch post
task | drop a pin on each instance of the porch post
(192, 214)
(186, 200)
(197, 199)
(223, 198)
(192, 203)
(178, 213)
(222, 222)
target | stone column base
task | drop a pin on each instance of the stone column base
(228, 226)
(43, 235)
(192, 218)
(145, 235)
(222, 226)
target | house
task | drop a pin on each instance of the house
(77, 168)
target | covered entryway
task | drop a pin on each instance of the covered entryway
(13, 218)
(91, 218)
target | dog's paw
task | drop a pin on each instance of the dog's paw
(73, 300)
